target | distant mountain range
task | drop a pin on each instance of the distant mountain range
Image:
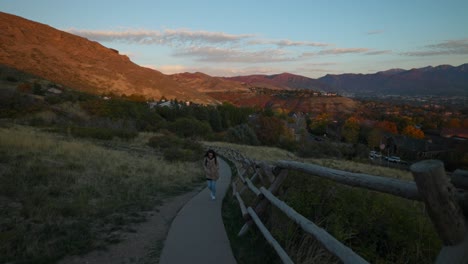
(281, 81)
(85, 65)
(443, 80)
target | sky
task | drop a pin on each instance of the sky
(230, 38)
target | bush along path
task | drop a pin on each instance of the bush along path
(197, 234)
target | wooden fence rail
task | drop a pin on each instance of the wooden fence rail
(442, 195)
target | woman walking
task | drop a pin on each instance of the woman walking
(212, 171)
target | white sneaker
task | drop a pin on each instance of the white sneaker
(213, 197)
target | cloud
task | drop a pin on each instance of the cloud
(218, 54)
(288, 43)
(449, 47)
(374, 32)
(378, 52)
(215, 71)
(319, 64)
(166, 37)
(339, 51)
(342, 51)
(186, 37)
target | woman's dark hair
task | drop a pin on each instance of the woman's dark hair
(214, 156)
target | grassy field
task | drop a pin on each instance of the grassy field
(60, 195)
(381, 228)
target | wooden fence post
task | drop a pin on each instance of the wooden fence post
(263, 203)
(443, 209)
(439, 195)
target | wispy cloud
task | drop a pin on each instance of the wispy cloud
(374, 32)
(186, 37)
(343, 51)
(215, 71)
(339, 51)
(166, 37)
(219, 54)
(221, 47)
(378, 52)
(288, 43)
(449, 47)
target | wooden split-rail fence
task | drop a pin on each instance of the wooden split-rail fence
(445, 197)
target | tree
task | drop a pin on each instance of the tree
(454, 123)
(318, 125)
(374, 138)
(215, 120)
(465, 123)
(412, 131)
(269, 129)
(350, 131)
(388, 126)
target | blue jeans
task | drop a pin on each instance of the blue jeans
(212, 186)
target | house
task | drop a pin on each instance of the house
(160, 104)
(455, 133)
(296, 124)
(54, 91)
(416, 149)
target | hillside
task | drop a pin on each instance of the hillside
(298, 101)
(282, 81)
(81, 64)
(204, 83)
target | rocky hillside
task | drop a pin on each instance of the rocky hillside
(85, 65)
(81, 64)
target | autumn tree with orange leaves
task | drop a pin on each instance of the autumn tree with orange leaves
(350, 131)
(412, 131)
(318, 125)
(388, 126)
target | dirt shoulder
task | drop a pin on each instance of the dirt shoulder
(145, 244)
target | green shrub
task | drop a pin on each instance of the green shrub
(177, 149)
(242, 134)
(102, 132)
(37, 121)
(165, 141)
(14, 104)
(53, 99)
(11, 79)
(37, 89)
(189, 127)
(319, 150)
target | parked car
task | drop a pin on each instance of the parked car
(394, 159)
(374, 154)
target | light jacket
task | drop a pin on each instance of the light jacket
(211, 169)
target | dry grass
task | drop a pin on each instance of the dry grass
(271, 154)
(95, 160)
(358, 167)
(259, 153)
(70, 195)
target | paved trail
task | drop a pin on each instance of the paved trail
(197, 234)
